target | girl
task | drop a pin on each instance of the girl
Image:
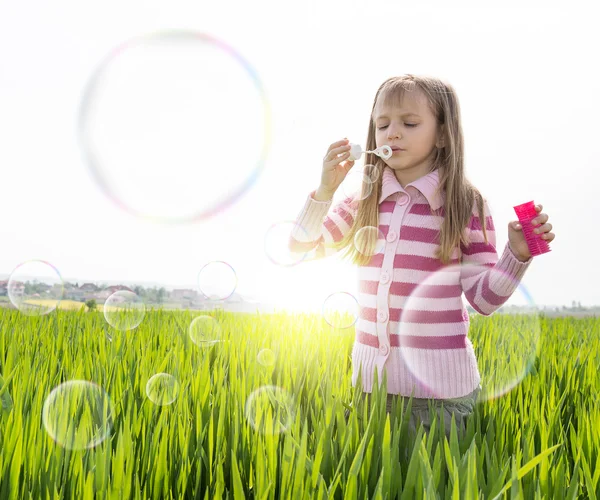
(431, 217)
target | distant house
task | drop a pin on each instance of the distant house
(184, 294)
(89, 287)
(17, 288)
(108, 291)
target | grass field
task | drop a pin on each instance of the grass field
(215, 437)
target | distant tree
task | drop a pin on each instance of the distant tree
(91, 304)
(138, 290)
(161, 293)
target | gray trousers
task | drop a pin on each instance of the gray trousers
(461, 408)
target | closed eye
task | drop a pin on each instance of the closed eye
(407, 124)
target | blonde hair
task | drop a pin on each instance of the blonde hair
(460, 193)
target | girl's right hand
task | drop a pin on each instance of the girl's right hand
(334, 172)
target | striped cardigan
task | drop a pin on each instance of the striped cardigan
(428, 352)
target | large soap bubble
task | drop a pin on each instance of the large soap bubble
(286, 243)
(505, 343)
(124, 310)
(217, 280)
(155, 126)
(35, 287)
(340, 310)
(162, 389)
(78, 415)
(205, 331)
(270, 410)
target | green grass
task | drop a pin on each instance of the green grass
(540, 440)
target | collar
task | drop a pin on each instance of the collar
(426, 185)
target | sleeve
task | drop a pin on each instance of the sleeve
(317, 230)
(487, 289)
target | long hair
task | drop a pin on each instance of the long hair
(460, 194)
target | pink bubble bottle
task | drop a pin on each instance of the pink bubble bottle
(526, 213)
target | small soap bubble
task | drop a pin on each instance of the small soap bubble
(205, 331)
(511, 344)
(372, 172)
(35, 287)
(340, 310)
(162, 389)
(270, 410)
(266, 357)
(357, 185)
(278, 240)
(217, 280)
(78, 415)
(369, 241)
(124, 310)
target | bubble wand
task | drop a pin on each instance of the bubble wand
(356, 151)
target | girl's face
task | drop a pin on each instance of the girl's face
(412, 127)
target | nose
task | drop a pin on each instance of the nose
(392, 131)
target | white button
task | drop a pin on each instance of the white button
(403, 199)
(391, 236)
(385, 277)
(381, 316)
(384, 349)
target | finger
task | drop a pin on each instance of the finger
(543, 228)
(348, 165)
(516, 226)
(336, 144)
(332, 155)
(539, 207)
(338, 160)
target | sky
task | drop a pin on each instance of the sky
(121, 120)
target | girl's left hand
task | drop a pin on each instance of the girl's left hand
(516, 238)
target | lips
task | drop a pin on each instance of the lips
(396, 148)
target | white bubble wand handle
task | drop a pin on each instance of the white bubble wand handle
(356, 151)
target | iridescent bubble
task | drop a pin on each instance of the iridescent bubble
(162, 389)
(217, 280)
(270, 410)
(279, 239)
(151, 124)
(205, 331)
(266, 357)
(78, 415)
(340, 310)
(372, 172)
(357, 185)
(35, 287)
(505, 343)
(124, 310)
(369, 241)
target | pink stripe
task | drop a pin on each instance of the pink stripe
(425, 209)
(347, 216)
(414, 233)
(475, 248)
(414, 316)
(420, 234)
(476, 224)
(402, 289)
(419, 342)
(414, 262)
(333, 229)
(387, 207)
